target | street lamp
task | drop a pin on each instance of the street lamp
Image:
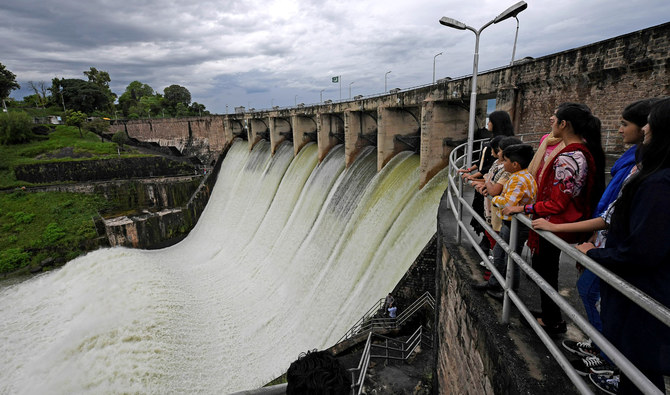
(350, 88)
(434, 65)
(453, 23)
(387, 73)
(516, 35)
(321, 95)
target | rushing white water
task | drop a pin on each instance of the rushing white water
(286, 257)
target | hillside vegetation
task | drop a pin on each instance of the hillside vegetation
(48, 228)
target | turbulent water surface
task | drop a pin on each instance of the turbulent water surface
(286, 257)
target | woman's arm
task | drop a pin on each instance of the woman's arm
(588, 225)
(645, 244)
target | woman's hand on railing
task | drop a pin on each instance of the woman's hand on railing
(543, 224)
(585, 247)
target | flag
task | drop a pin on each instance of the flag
(336, 79)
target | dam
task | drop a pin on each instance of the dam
(285, 257)
(315, 216)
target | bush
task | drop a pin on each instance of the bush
(15, 128)
(98, 126)
(12, 259)
(120, 138)
(52, 234)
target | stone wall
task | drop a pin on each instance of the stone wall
(606, 76)
(166, 227)
(475, 353)
(202, 137)
(104, 169)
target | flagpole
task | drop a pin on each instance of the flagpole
(339, 78)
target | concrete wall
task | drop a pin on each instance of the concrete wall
(330, 132)
(475, 353)
(203, 137)
(360, 130)
(439, 121)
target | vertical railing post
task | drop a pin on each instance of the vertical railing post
(509, 273)
(459, 209)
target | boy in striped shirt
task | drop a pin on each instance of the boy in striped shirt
(520, 189)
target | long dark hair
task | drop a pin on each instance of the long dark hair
(587, 126)
(638, 111)
(654, 155)
(502, 124)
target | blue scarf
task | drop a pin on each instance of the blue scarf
(619, 172)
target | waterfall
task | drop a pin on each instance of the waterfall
(287, 255)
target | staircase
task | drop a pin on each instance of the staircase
(374, 321)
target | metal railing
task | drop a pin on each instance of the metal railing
(455, 191)
(371, 320)
(392, 350)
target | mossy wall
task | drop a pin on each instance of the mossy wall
(107, 169)
(166, 227)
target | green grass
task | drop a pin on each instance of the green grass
(36, 226)
(40, 225)
(64, 136)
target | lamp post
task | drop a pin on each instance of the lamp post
(434, 57)
(516, 35)
(350, 88)
(387, 73)
(321, 95)
(453, 23)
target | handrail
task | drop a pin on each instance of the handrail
(455, 190)
(407, 349)
(370, 323)
(357, 383)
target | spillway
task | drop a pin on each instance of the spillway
(287, 255)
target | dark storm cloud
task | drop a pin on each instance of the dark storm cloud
(269, 51)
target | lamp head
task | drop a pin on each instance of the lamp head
(453, 23)
(511, 12)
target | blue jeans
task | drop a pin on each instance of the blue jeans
(588, 286)
(499, 256)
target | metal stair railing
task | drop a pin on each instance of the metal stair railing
(370, 323)
(356, 328)
(425, 299)
(405, 350)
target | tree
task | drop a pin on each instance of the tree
(15, 127)
(99, 127)
(101, 79)
(40, 90)
(75, 118)
(198, 109)
(7, 84)
(80, 95)
(33, 99)
(135, 91)
(120, 138)
(174, 95)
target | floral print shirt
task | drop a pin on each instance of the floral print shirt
(570, 172)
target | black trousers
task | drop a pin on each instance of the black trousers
(545, 263)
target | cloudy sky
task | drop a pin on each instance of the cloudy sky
(259, 53)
